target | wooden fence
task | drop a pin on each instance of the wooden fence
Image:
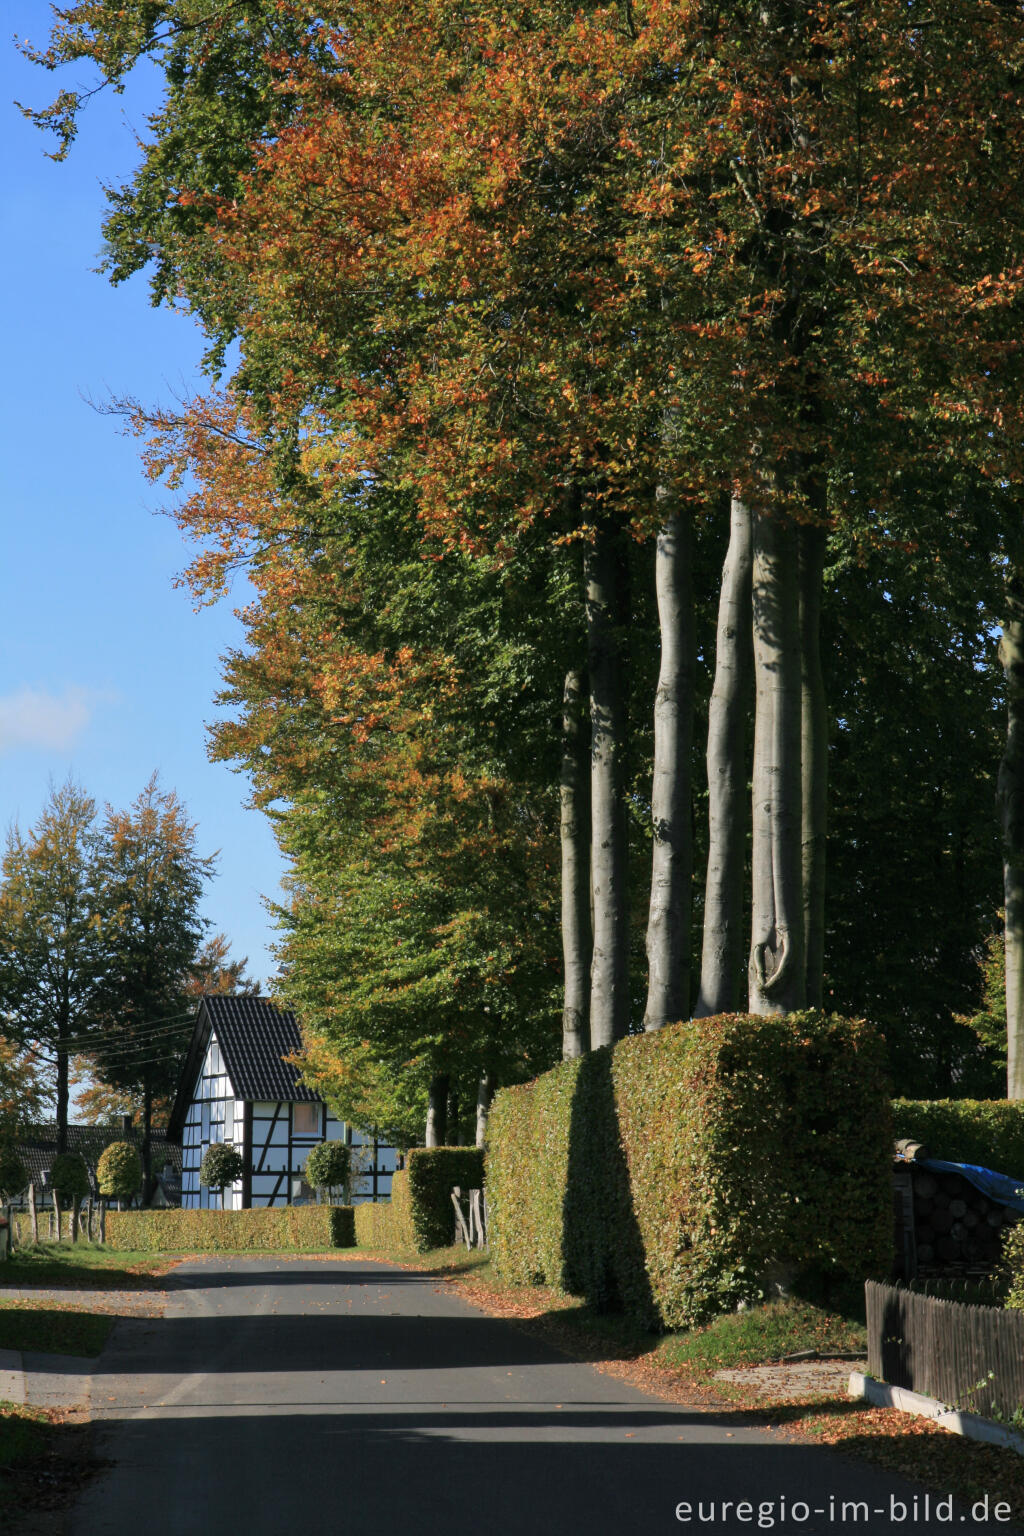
(970, 1357)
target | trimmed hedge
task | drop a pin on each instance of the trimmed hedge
(308, 1227)
(374, 1222)
(679, 1173)
(986, 1132)
(420, 1215)
(426, 1216)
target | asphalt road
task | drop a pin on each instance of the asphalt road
(299, 1398)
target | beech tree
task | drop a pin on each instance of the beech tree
(1010, 790)
(150, 881)
(480, 265)
(51, 958)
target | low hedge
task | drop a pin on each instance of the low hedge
(423, 1204)
(986, 1132)
(374, 1223)
(680, 1173)
(420, 1215)
(308, 1227)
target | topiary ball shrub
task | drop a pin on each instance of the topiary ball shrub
(69, 1177)
(119, 1171)
(221, 1165)
(13, 1174)
(327, 1166)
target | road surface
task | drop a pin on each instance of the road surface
(293, 1398)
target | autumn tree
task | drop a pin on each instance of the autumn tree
(547, 281)
(214, 971)
(51, 957)
(150, 880)
(24, 1093)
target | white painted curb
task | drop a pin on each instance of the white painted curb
(971, 1425)
(12, 1376)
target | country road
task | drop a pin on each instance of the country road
(281, 1397)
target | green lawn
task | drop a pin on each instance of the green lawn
(762, 1335)
(83, 1265)
(44, 1460)
(24, 1433)
(52, 1328)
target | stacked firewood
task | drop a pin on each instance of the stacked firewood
(957, 1229)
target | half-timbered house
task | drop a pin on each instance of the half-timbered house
(238, 1085)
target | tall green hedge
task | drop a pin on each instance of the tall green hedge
(426, 1214)
(311, 1228)
(986, 1132)
(679, 1173)
(420, 1214)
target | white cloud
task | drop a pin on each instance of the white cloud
(30, 718)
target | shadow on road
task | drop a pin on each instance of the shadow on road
(499, 1473)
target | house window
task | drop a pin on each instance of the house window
(306, 1119)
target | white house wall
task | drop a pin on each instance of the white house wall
(280, 1149)
(276, 1144)
(213, 1115)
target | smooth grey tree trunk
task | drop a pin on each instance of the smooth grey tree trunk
(813, 758)
(668, 923)
(484, 1095)
(776, 967)
(721, 970)
(1010, 797)
(604, 578)
(575, 873)
(437, 1111)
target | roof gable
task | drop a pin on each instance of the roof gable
(254, 1037)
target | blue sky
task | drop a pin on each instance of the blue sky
(106, 673)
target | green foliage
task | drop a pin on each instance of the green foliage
(309, 1228)
(375, 1222)
(431, 1174)
(989, 1023)
(679, 1173)
(53, 1327)
(150, 883)
(914, 863)
(1013, 1266)
(119, 1171)
(50, 943)
(401, 1229)
(69, 1176)
(222, 1164)
(986, 1132)
(760, 1335)
(13, 1174)
(327, 1166)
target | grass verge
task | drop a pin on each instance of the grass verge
(50, 1327)
(44, 1458)
(82, 1266)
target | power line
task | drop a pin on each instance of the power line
(84, 1043)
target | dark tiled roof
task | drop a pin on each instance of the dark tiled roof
(255, 1037)
(37, 1147)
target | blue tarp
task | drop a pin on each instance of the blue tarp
(997, 1186)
